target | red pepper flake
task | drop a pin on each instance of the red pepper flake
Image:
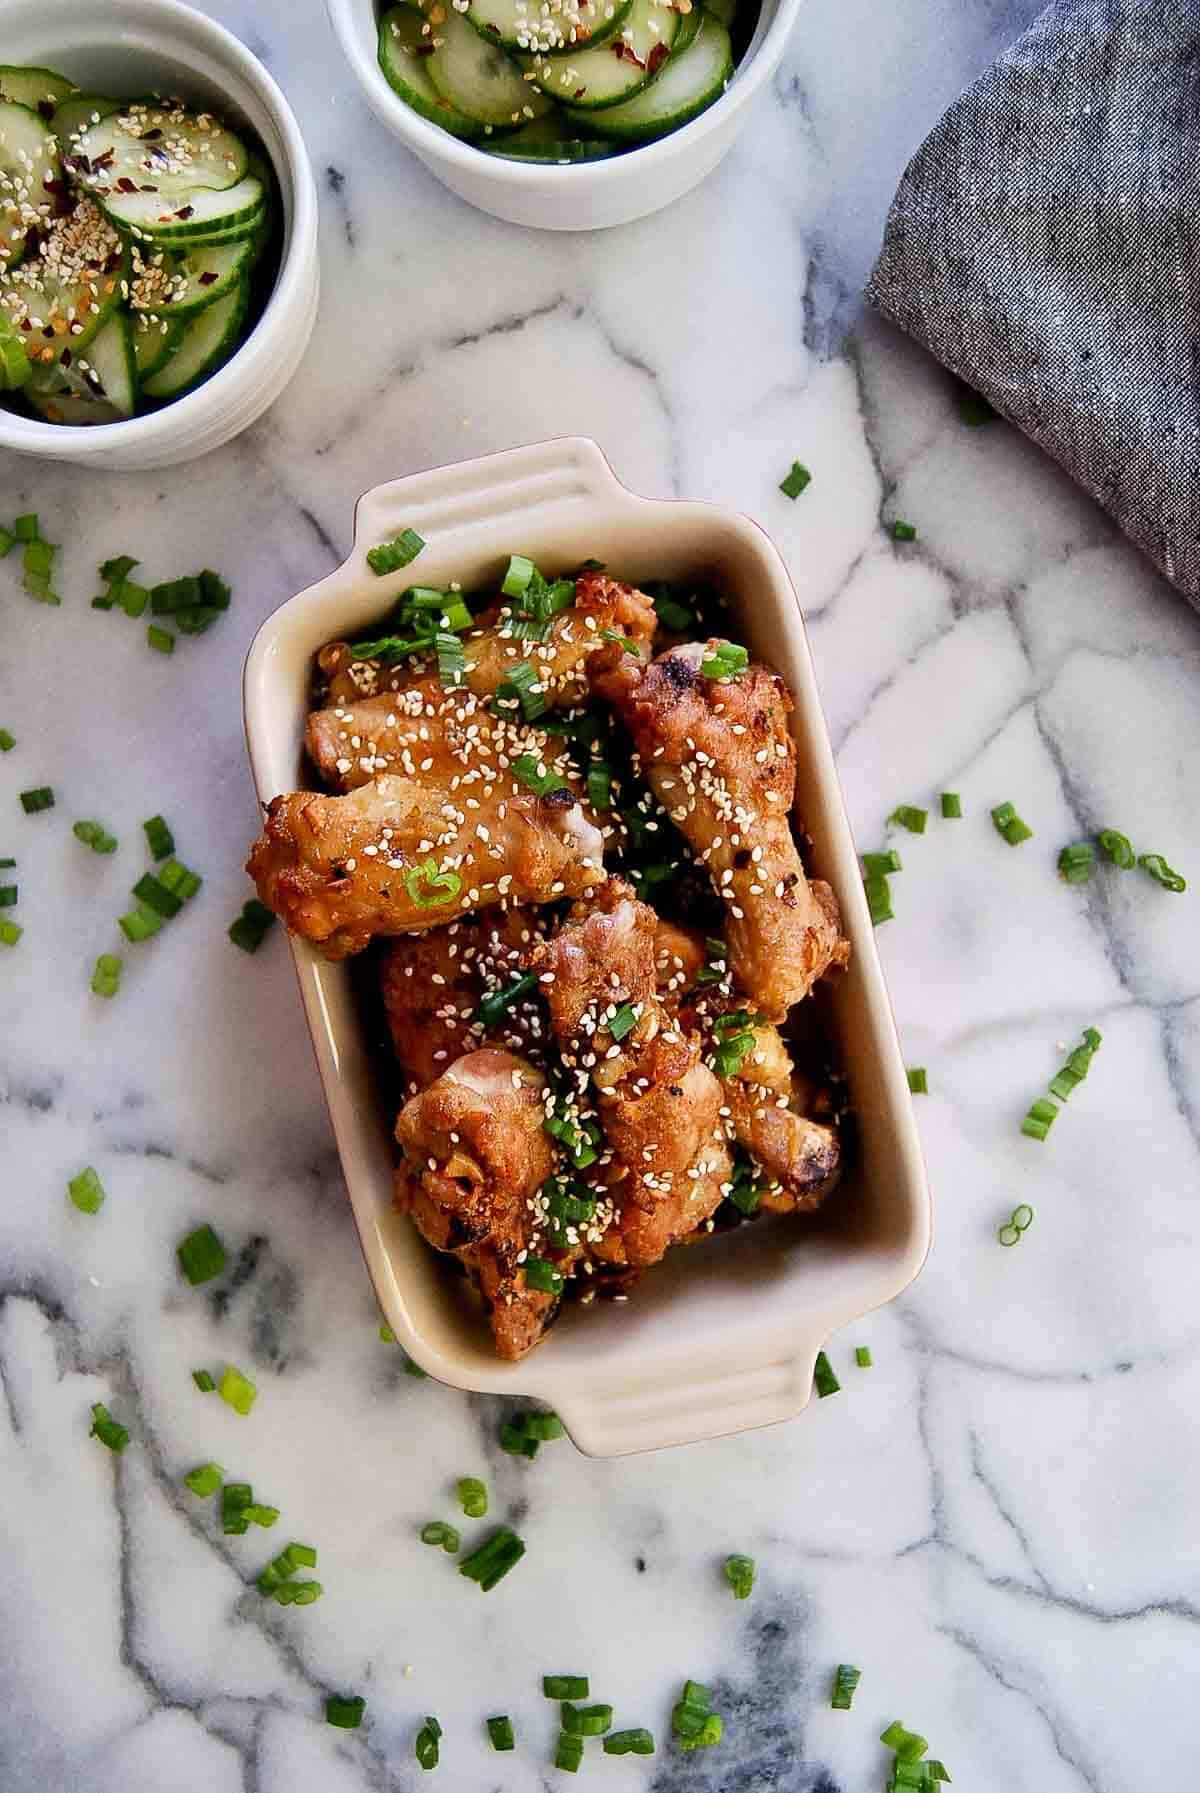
(579, 92)
(125, 185)
(185, 211)
(657, 57)
(151, 136)
(207, 278)
(104, 161)
(66, 357)
(45, 108)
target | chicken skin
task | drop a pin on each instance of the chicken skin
(719, 758)
(801, 1157)
(475, 1154)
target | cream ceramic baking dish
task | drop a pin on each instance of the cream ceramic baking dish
(722, 1336)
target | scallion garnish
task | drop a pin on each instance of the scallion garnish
(879, 900)
(179, 880)
(520, 689)
(1072, 1074)
(1018, 1222)
(37, 564)
(161, 640)
(201, 1255)
(565, 1687)
(739, 1573)
(10, 933)
(205, 1479)
(795, 482)
(1161, 872)
(252, 926)
(157, 896)
(1008, 823)
(619, 640)
(204, 1382)
(386, 1334)
(599, 785)
(903, 532)
(918, 1080)
(87, 1191)
(519, 576)
(472, 1495)
(638, 1742)
(8, 895)
(824, 1380)
(951, 806)
(428, 887)
(95, 835)
(541, 1275)
(236, 1500)
(443, 1536)
(236, 1390)
(745, 1191)
(1077, 862)
(1040, 1118)
(882, 865)
(141, 923)
(401, 551)
(862, 1356)
(492, 1561)
(846, 1678)
(426, 1746)
(7, 740)
(545, 1427)
(159, 838)
(32, 802)
(500, 1732)
(345, 1710)
(569, 1752)
(26, 529)
(675, 617)
(623, 1021)
(734, 1034)
(527, 770)
(910, 817)
(496, 1004)
(414, 1370)
(452, 664)
(108, 1430)
(1117, 848)
(907, 1745)
(390, 648)
(724, 662)
(586, 1721)
(695, 1724)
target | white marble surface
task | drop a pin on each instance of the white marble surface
(996, 1523)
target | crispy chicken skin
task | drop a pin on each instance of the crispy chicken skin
(720, 760)
(339, 870)
(800, 1156)
(474, 1155)
(657, 1102)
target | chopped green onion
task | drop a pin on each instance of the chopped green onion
(795, 481)
(746, 1192)
(618, 640)
(40, 798)
(623, 1022)
(107, 1429)
(201, 1255)
(716, 962)
(414, 1370)
(599, 785)
(907, 1745)
(389, 648)
(386, 1334)
(639, 1742)
(569, 1753)
(846, 1678)
(452, 664)
(521, 687)
(8, 540)
(824, 1380)
(301, 1556)
(675, 617)
(710, 1732)
(908, 816)
(401, 551)
(252, 926)
(442, 887)
(426, 1747)
(519, 576)
(1008, 823)
(161, 640)
(1117, 848)
(141, 923)
(739, 1573)
(345, 1710)
(492, 1560)
(951, 806)
(159, 838)
(540, 1274)
(862, 1356)
(236, 1500)
(903, 532)
(87, 1191)
(179, 880)
(1040, 1118)
(205, 1479)
(495, 1006)
(545, 1427)
(10, 933)
(303, 1592)
(1161, 872)
(472, 1495)
(95, 835)
(204, 1382)
(565, 1687)
(735, 1036)
(881, 865)
(1022, 1217)
(935, 1770)
(650, 876)
(586, 1721)
(879, 900)
(443, 1536)
(527, 769)
(500, 1732)
(260, 1515)
(7, 741)
(725, 661)
(236, 1390)
(37, 563)
(8, 895)
(25, 529)
(1077, 862)
(918, 1080)
(156, 896)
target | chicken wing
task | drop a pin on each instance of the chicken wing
(720, 760)
(399, 857)
(475, 1154)
(800, 1156)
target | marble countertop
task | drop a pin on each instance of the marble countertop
(996, 1522)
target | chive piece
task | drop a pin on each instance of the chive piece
(623, 1022)
(500, 1732)
(586, 1721)
(906, 1745)
(879, 900)
(492, 1560)
(205, 1479)
(159, 838)
(236, 1501)
(1077, 862)
(426, 1747)
(252, 926)
(10, 933)
(413, 1369)
(1040, 1118)
(881, 865)
(201, 1255)
(236, 1390)
(108, 1430)
(204, 1382)
(141, 923)
(516, 1441)
(599, 785)
(156, 896)
(401, 551)
(1161, 872)
(95, 835)
(8, 542)
(725, 661)
(676, 618)
(541, 1275)
(935, 1770)
(565, 1687)
(903, 532)
(119, 567)
(38, 799)
(862, 1356)
(179, 880)
(442, 1536)
(846, 1678)
(908, 816)
(528, 770)
(472, 1495)
(451, 661)
(1117, 848)
(520, 689)
(824, 1380)
(639, 1742)
(7, 741)
(710, 1732)
(519, 576)
(734, 1034)
(87, 1191)
(161, 640)
(544, 1426)
(569, 1753)
(442, 887)
(496, 1004)
(746, 1192)
(304, 1592)
(345, 1710)
(25, 529)
(739, 1573)
(258, 1514)
(795, 481)
(8, 895)
(301, 1556)
(1009, 824)
(951, 806)
(174, 595)
(918, 1080)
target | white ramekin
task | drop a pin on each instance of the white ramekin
(140, 46)
(587, 195)
(722, 1336)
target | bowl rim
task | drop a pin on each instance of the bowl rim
(757, 66)
(195, 409)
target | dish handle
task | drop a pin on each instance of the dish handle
(649, 1418)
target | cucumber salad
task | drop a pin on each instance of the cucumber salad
(560, 81)
(135, 248)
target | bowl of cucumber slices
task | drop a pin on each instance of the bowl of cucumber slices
(158, 260)
(565, 114)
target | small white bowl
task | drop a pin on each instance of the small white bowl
(142, 46)
(722, 1336)
(586, 195)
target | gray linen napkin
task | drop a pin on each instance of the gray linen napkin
(1045, 245)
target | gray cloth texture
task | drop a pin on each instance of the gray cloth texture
(1044, 246)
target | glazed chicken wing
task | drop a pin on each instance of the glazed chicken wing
(475, 1154)
(720, 760)
(398, 857)
(801, 1156)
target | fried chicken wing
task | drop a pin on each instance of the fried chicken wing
(720, 760)
(801, 1156)
(398, 857)
(475, 1154)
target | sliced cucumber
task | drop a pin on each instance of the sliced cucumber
(110, 360)
(201, 214)
(72, 408)
(178, 285)
(480, 79)
(549, 140)
(522, 25)
(155, 340)
(66, 312)
(207, 343)
(689, 25)
(404, 52)
(613, 72)
(245, 227)
(38, 88)
(29, 171)
(688, 84)
(176, 155)
(75, 114)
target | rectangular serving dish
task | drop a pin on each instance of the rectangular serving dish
(723, 1336)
